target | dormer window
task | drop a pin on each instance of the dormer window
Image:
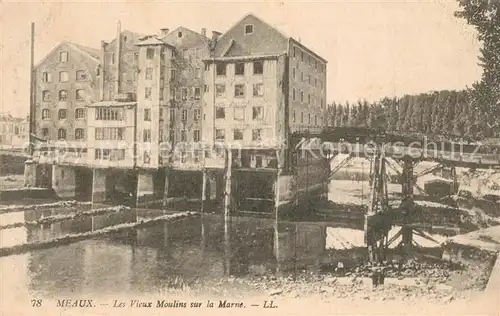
(179, 34)
(248, 29)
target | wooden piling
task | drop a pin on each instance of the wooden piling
(227, 194)
(204, 191)
(166, 187)
(407, 204)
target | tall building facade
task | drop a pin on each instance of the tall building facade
(261, 86)
(65, 83)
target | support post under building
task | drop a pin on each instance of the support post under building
(407, 203)
(228, 178)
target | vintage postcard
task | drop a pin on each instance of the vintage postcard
(263, 158)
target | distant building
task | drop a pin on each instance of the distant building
(261, 86)
(65, 82)
(13, 131)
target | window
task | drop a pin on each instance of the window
(160, 136)
(239, 114)
(293, 94)
(63, 57)
(61, 114)
(184, 94)
(293, 116)
(206, 88)
(171, 135)
(81, 75)
(45, 114)
(146, 136)
(63, 95)
(117, 154)
(257, 113)
(63, 76)
(61, 133)
(309, 79)
(302, 56)
(110, 58)
(80, 95)
(258, 161)
(308, 98)
(79, 134)
(197, 73)
(147, 93)
(315, 120)
(46, 95)
(196, 135)
(45, 132)
(301, 76)
(184, 115)
(248, 29)
(149, 73)
(197, 52)
(302, 117)
(80, 113)
(309, 118)
(220, 134)
(172, 74)
(257, 134)
(258, 89)
(239, 69)
(220, 90)
(220, 112)
(293, 73)
(147, 114)
(239, 90)
(258, 67)
(221, 69)
(237, 134)
(294, 51)
(47, 77)
(322, 103)
(315, 82)
(197, 93)
(162, 91)
(108, 114)
(172, 116)
(197, 115)
(150, 53)
(147, 157)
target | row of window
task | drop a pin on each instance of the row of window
(109, 133)
(63, 114)
(220, 134)
(239, 113)
(309, 118)
(63, 95)
(61, 133)
(309, 59)
(109, 154)
(109, 114)
(80, 75)
(239, 90)
(311, 100)
(183, 135)
(239, 68)
(184, 115)
(309, 79)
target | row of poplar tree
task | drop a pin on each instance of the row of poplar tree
(436, 113)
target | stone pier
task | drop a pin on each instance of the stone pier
(63, 181)
(99, 185)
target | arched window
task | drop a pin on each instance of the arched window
(80, 113)
(45, 132)
(45, 114)
(79, 134)
(63, 95)
(61, 133)
(80, 94)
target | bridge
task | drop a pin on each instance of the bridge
(290, 177)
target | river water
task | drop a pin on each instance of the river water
(167, 255)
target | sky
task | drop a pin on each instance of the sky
(374, 48)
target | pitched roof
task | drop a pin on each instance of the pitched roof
(153, 40)
(171, 37)
(93, 52)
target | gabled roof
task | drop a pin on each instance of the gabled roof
(84, 50)
(153, 40)
(133, 36)
(171, 37)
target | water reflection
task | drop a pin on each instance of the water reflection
(170, 255)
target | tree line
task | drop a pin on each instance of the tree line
(447, 113)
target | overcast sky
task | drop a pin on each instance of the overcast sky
(374, 48)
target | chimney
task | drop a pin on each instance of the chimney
(204, 32)
(215, 35)
(164, 31)
(118, 57)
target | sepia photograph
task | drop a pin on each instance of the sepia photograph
(265, 157)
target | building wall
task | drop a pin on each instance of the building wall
(47, 127)
(242, 107)
(307, 76)
(13, 131)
